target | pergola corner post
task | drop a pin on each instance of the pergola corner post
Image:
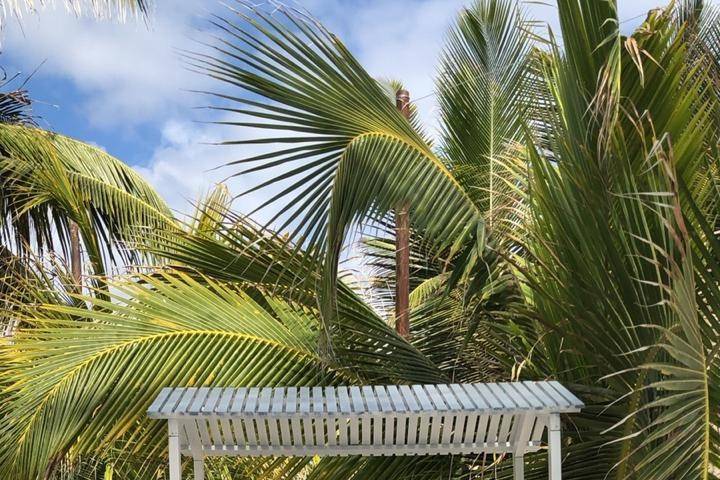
(199, 468)
(554, 448)
(518, 466)
(174, 450)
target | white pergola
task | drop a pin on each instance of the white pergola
(371, 420)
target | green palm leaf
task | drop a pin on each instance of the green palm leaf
(49, 180)
(83, 378)
(350, 154)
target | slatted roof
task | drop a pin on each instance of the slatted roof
(282, 402)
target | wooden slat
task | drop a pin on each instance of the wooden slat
(436, 418)
(193, 435)
(214, 423)
(198, 402)
(344, 400)
(462, 396)
(569, 396)
(532, 400)
(251, 401)
(278, 401)
(185, 401)
(373, 408)
(223, 406)
(291, 402)
(480, 403)
(318, 411)
(476, 421)
(517, 397)
(504, 431)
(507, 402)
(202, 426)
(345, 409)
(159, 401)
(304, 404)
(436, 397)
(492, 430)
(291, 406)
(264, 398)
(226, 429)
(332, 408)
(554, 395)
(548, 402)
(449, 396)
(238, 402)
(396, 398)
(330, 400)
(261, 431)
(388, 416)
(488, 396)
(539, 428)
(211, 401)
(423, 398)
(425, 416)
(172, 400)
(307, 426)
(251, 435)
(413, 406)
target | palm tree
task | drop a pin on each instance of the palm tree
(564, 227)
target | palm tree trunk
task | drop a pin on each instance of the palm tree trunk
(75, 257)
(402, 245)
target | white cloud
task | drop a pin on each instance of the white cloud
(189, 162)
(129, 73)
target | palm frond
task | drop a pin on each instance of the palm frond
(485, 92)
(349, 154)
(49, 180)
(66, 377)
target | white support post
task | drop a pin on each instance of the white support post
(174, 450)
(554, 453)
(518, 467)
(199, 468)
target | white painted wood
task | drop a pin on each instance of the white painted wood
(413, 406)
(503, 418)
(199, 469)
(518, 467)
(332, 419)
(522, 429)
(401, 417)
(174, 450)
(304, 410)
(346, 418)
(554, 445)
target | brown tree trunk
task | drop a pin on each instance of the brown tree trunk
(75, 257)
(402, 245)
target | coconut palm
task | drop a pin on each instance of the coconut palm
(564, 226)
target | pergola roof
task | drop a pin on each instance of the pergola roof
(369, 420)
(282, 402)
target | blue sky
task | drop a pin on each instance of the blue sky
(124, 88)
